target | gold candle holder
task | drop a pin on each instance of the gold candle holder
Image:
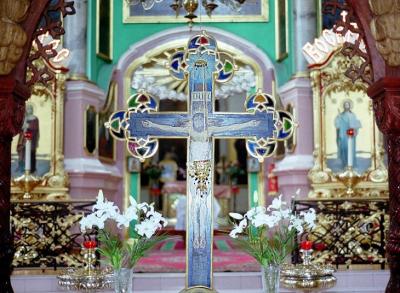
(350, 179)
(307, 277)
(87, 278)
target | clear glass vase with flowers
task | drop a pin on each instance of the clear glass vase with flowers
(118, 252)
(268, 235)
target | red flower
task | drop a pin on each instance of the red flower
(350, 132)
(306, 245)
(89, 244)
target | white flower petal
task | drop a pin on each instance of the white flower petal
(236, 216)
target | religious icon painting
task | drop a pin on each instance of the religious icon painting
(106, 142)
(154, 11)
(350, 109)
(281, 29)
(104, 26)
(290, 143)
(90, 129)
(37, 121)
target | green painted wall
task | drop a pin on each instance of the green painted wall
(260, 34)
(253, 186)
(134, 189)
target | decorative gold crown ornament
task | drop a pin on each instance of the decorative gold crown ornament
(307, 277)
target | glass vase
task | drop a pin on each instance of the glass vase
(270, 278)
(123, 280)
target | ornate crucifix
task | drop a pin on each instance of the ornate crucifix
(201, 65)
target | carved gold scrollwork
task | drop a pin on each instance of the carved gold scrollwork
(13, 36)
(385, 29)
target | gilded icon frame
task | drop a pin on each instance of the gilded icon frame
(325, 77)
(103, 135)
(291, 143)
(104, 33)
(281, 29)
(90, 109)
(53, 184)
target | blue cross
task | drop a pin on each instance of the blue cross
(141, 125)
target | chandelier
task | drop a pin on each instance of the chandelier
(190, 6)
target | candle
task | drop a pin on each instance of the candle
(306, 245)
(28, 148)
(350, 134)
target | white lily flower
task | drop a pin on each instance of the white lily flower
(259, 220)
(146, 228)
(243, 223)
(93, 220)
(104, 207)
(296, 223)
(236, 216)
(144, 206)
(122, 220)
(282, 214)
(277, 204)
(236, 230)
(150, 210)
(309, 217)
(157, 219)
(270, 221)
(255, 211)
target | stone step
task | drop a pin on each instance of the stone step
(373, 281)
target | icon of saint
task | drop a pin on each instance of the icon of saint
(344, 121)
(31, 124)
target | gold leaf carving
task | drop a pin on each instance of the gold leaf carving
(385, 26)
(13, 37)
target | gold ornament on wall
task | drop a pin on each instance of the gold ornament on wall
(385, 25)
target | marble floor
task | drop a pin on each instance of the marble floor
(372, 281)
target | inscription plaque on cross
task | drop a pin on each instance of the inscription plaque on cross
(201, 65)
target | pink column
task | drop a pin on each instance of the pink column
(87, 174)
(292, 171)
